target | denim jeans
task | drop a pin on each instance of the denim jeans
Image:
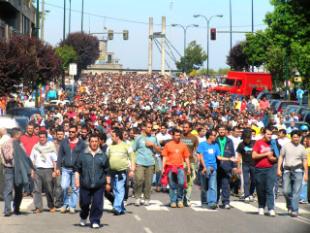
(67, 180)
(248, 172)
(118, 184)
(292, 182)
(209, 188)
(265, 180)
(176, 185)
(8, 191)
(91, 203)
(223, 186)
(304, 191)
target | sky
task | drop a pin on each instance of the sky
(133, 15)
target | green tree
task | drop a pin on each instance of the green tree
(67, 55)
(193, 58)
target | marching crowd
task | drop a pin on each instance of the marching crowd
(138, 131)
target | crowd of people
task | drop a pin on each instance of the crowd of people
(138, 131)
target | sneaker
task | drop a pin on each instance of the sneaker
(72, 210)
(83, 222)
(146, 202)
(289, 211)
(63, 210)
(294, 214)
(261, 211)
(251, 198)
(272, 213)
(180, 204)
(52, 210)
(95, 225)
(303, 202)
(213, 207)
(125, 203)
(37, 211)
(173, 205)
(142, 201)
(227, 207)
(247, 200)
(138, 202)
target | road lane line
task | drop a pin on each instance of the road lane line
(282, 206)
(243, 206)
(147, 230)
(196, 206)
(302, 220)
(137, 217)
(156, 205)
(26, 203)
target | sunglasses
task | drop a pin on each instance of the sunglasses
(72, 131)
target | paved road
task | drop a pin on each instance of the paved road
(160, 218)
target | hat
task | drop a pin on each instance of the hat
(155, 127)
(304, 128)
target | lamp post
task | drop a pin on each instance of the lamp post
(208, 29)
(64, 23)
(184, 31)
(69, 16)
(82, 16)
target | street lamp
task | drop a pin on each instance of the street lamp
(184, 30)
(208, 26)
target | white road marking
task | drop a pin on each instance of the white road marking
(303, 220)
(147, 230)
(156, 205)
(243, 206)
(137, 217)
(26, 203)
(196, 206)
(107, 205)
(282, 206)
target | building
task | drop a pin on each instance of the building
(16, 17)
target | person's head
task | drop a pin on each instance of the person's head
(16, 133)
(36, 129)
(163, 129)
(267, 133)
(117, 136)
(84, 132)
(60, 134)
(147, 128)
(282, 133)
(3, 131)
(187, 128)
(211, 136)
(125, 135)
(42, 137)
(73, 132)
(222, 130)
(30, 129)
(176, 135)
(66, 125)
(94, 142)
(247, 135)
(236, 131)
(202, 132)
(295, 136)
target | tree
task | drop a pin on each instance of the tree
(86, 46)
(67, 55)
(237, 59)
(193, 58)
(28, 61)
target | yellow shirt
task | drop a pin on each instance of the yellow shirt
(308, 155)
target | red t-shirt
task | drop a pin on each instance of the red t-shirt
(29, 142)
(72, 145)
(261, 146)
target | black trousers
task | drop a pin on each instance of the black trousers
(91, 204)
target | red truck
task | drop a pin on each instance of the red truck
(243, 83)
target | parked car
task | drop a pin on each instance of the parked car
(306, 117)
(282, 105)
(57, 102)
(269, 95)
(24, 112)
(294, 108)
(298, 124)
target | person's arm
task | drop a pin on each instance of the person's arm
(256, 155)
(305, 163)
(164, 164)
(60, 157)
(202, 162)
(188, 165)
(280, 161)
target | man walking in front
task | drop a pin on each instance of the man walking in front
(175, 153)
(91, 176)
(294, 159)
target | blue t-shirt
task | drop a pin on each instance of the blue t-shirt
(144, 154)
(209, 153)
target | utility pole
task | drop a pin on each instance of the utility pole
(69, 16)
(150, 54)
(163, 40)
(252, 25)
(230, 23)
(64, 22)
(82, 16)
(42, 20)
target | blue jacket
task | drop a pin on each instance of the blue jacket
(229, 152)
(92, 169)
(66, 158)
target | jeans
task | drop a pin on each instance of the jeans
(264, 180)
(304, 191)
(292, 181)
(43, 179)
(8, 191)
(248, 179)
(209, 188)
(91, 203)
(67, 180)
(118, 183)
(176, 185)
(143, 179)
(223, 186)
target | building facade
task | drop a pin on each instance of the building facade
(16, 17)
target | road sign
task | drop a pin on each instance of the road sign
(72, 69)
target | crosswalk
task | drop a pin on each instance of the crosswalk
(157, 205)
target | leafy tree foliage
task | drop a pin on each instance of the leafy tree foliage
(237, 59)
(193, 58)
(67, 55)
(86, 46)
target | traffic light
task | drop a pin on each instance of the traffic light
(213, 33)
(110, 34)
(125, 34)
